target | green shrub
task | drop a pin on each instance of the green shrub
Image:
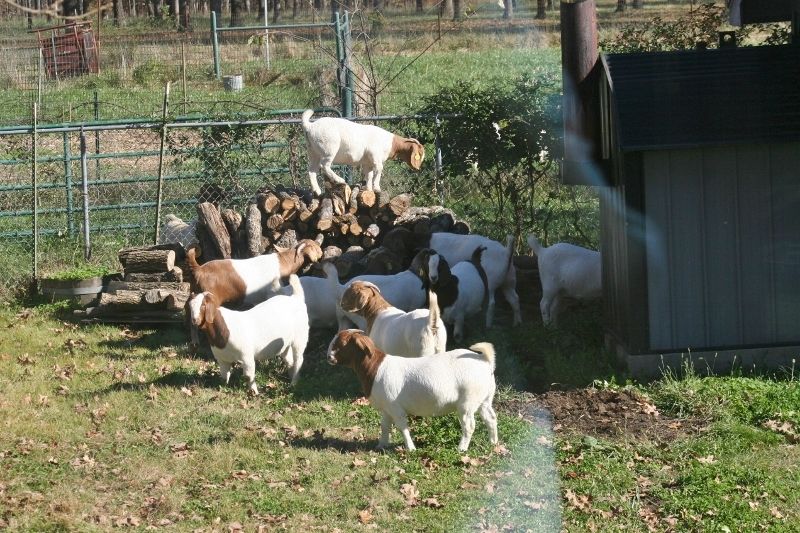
(81, 272)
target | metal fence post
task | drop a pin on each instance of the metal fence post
(337, 27)
(35, 184)
(160, 193)
(437, 143)
(68, 184)
(266, 34)
(347, 49)
(96, 135)
(87, 246)
(215, 45)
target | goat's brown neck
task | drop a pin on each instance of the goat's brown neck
(400, 149)
(372, 309)
(289, 262)
(366, 368)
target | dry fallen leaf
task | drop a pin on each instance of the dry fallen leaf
(410, 492)
(365, 516)
(433, 502)
(578, 501)
(533, 505)
(360, 401)
(358, 462)
(186, 391)
(707, 460)
(776, 513)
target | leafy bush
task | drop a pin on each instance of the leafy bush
(500, 160)
(154, 71)
(701, 24)
(81, 272)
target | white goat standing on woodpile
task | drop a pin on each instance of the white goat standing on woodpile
(250, 281)
(412, 334)
(277, 327)
(566, 271)
(405, 290)
(333, 140)
(460, 381)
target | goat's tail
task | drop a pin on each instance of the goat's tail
(306, 118)
(486, 350)
(433, 311)
(534, 244)
(191, 258)
(297, 287)
(476, 262)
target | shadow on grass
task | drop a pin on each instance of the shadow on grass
(319, 442)
(175, 379)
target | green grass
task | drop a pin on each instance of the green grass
(104, 426)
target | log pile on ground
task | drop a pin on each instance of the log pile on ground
(348, 223)
(152, 288)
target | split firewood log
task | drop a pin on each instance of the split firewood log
(325, 215)
(268, 202)
(254, 237)
(209, 217)
(174, 274)
(287, 240)
(146, 260)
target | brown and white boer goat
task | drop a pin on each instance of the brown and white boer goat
(275, 328)
(250, 281)
(333, 140)
(460, 381)
(412, 334)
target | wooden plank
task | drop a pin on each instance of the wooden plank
(659, 308)
(784, 164)
(722, 271)
(755, 253)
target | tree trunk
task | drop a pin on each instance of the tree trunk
(156, 8)
(334, 9)
(446, 9)
(115, 12)
(620, 6)
(420, 7)
(276, 11)
(216, 7)
(184, 21)
(638, 4)
(508, 9)
(456, 9)
(540, 9)
(295, 8)
(236, 13)
(69, 7)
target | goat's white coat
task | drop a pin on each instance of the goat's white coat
(403, 290)
(174, 229)
(333, 140)
(459, 381)
(410, 334)
(277, 327)
(496, 262)
(320, 301)
(469, 300)
(261, 276)
(566, 270)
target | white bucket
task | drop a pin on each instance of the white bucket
(233, 83)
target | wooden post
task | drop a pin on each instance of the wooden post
(580, 72)
(164, 111)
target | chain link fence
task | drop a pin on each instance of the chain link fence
(97, 185)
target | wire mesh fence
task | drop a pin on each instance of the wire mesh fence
(97, 185)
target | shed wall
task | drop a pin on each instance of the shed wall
(723, 246)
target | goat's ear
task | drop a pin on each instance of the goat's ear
(352, 300)
(208, 311)
(417, 154)
(298, 251)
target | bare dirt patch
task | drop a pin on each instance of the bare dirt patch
(606, 413)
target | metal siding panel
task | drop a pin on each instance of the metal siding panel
(721, 279)
(755, 250)
(785, 176)
(659, 309)
(686, 257)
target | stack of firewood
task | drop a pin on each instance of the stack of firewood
(152, 288)
(348, 223)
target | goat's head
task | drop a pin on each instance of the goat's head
(359, 295)
(431, 267)
(309, 250)
(204, 310)
(350, 347)
(409, 150)
(293, 259)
